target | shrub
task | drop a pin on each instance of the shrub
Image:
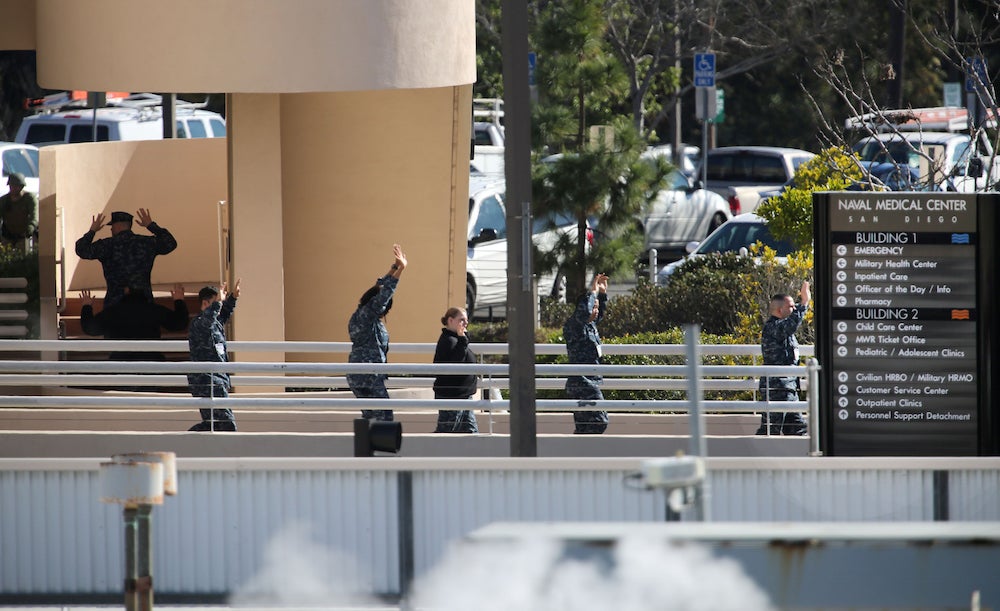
(711, 291)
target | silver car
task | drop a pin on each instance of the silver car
(738, 235)
(681, 213)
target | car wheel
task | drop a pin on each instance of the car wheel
(716, 222)
(470, 298)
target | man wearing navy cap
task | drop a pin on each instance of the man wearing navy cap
(127, 258)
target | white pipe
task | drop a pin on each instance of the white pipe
(387, 368)
(63, 380)
(352, 403)
(90, 345)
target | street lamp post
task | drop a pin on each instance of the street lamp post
(137, 482)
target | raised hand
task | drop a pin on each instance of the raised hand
(397, 251)
(178, 292)
(96, 222)
(144, 218)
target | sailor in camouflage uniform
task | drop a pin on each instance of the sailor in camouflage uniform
(18, 212)
(127, 258)
(779, 347)
(583, 345)
(370, 338)
(207, 343)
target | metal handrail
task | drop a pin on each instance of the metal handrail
(388, 368)
(326, 375)
(90, 345)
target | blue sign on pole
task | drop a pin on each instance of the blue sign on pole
(532, 62)
(704, 70)
(976, 76)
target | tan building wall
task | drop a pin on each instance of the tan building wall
(180, 182)
(17, 27)
(360, 172)
(255, 46)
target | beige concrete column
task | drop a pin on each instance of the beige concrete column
(361, 171)
(255, 213)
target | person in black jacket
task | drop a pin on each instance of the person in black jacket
(134, 317)
(453, 347)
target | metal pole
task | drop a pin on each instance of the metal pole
(813, 398)
(517, 163)
(653, 263)
(676, 144)
(144, 558)
(692, 333)
(703, 93)
(404, 482)
(168, 112)
(131, 575)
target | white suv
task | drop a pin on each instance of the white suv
(486, 260)
(137, 117)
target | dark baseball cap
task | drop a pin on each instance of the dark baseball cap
(16, 177)
(120, 217)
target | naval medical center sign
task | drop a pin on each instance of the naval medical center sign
(899, 322)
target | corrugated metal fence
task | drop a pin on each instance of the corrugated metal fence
(393, 518)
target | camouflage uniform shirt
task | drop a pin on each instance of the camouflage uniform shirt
(20, 217)
(369, 337)
(583, 345)
(207, 343)
(779, 347)
(127, 259)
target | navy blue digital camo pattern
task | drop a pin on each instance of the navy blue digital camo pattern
(583, 346)
(370, 344)
(207, 343)
(127, 259)
(779, 347)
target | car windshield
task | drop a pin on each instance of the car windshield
(895, 151)
(733, 236)
(551, 221)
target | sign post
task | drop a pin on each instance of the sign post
(704, 80)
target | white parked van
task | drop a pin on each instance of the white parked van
(138, 117)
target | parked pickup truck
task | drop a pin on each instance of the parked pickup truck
(740, 173)
(745, 199)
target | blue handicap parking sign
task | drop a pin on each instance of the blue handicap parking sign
(704, 70)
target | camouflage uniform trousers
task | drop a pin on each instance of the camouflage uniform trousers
(590, 422)
(213, 419)
(377, 391)
(781, 423)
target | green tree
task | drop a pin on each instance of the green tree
(580, 86)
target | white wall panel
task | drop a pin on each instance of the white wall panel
(57, 538)
(449, 504)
